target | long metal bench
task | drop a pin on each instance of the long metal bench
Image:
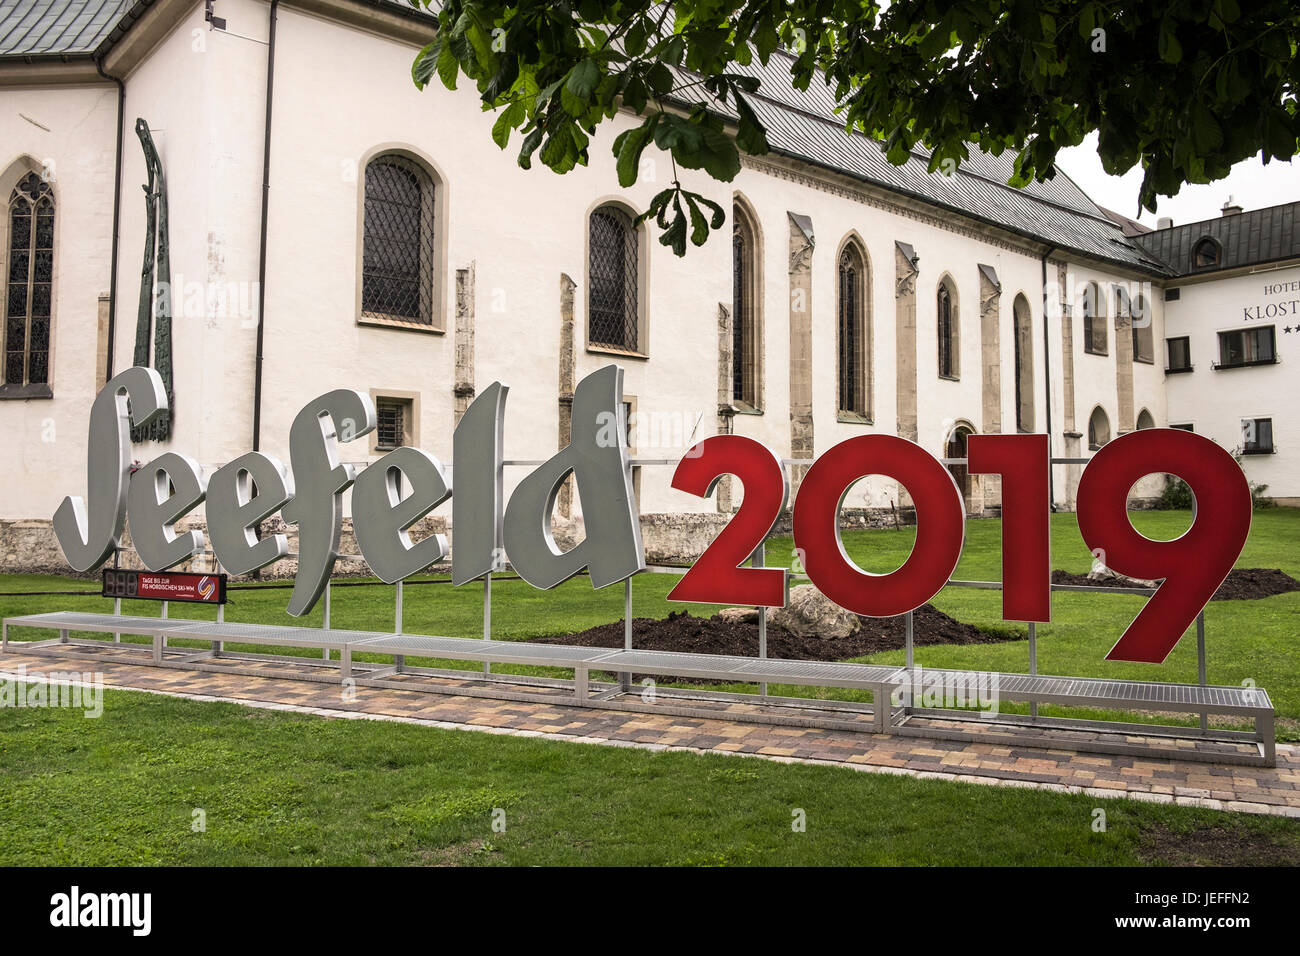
(881, 680)
(1249, 702)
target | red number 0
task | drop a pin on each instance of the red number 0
(717, 577)
(1193, 565)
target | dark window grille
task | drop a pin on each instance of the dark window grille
(947, 330)
(390, 432)
(740, 307)
(612, 271)
(398, 255)
(850, 322)
(29, 286)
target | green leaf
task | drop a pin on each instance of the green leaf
(448, 66)
(426, 63)
(509, 118)
(582, 79)
(628, 148)
(529, 146)
(1170, 50)
(751, 135)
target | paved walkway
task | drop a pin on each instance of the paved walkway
(1189, 783)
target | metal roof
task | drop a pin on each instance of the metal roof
(802, 124)
(57, 27)
(1245, 239)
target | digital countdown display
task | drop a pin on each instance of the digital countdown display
(165, 586)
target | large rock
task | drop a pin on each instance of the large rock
(1105, 577)
(809, 613)
(739, 615)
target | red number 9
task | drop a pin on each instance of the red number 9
(1193, 565)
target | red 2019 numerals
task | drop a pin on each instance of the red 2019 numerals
(1192, 566)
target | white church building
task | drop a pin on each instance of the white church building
(331, 226)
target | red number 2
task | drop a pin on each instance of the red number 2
(717, 577)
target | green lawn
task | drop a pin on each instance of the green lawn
(281, 788)
(286, 788)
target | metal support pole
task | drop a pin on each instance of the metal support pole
(487, 617)
(625, 679)
(117, 602)
(759, 557)
(1033, 661)
(325, 625)
(218, 646)
(164, 616)
(397, 610)
(1200, 664)
(907, 643)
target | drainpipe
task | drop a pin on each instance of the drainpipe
(261, 262)
(117, 213)
(1047, 379)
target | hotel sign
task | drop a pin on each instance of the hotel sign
(309, 494)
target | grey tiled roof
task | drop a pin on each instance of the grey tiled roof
(57, 27)
(800, 123)
(1246, 239)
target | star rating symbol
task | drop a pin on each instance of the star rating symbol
(1288, 329)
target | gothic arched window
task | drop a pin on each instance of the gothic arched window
(854, 331)
(949, 331)
(29, 282)
(745, 304)
(397, 274)
(613, 280)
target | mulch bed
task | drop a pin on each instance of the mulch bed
(683, 632)
(1242, 584)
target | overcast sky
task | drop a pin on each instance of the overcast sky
(1251, 184)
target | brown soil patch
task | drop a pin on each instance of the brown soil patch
(1216, 846)
(683, 632)
(1242, 584)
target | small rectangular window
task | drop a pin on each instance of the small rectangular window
(1247, 347)
(1257, 436)
(1184, 427)
(393, 420)
(1179, 354)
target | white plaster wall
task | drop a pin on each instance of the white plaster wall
(1214, 401)
(69, 131)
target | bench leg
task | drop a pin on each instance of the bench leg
(63, 635)
(399, 663)
(157, 649)
(1264, 731)
(580, 683)
(4, 639)
(880, 708)
(345, 661)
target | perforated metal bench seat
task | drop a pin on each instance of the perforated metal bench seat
(277, 636)
(1094, 692)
